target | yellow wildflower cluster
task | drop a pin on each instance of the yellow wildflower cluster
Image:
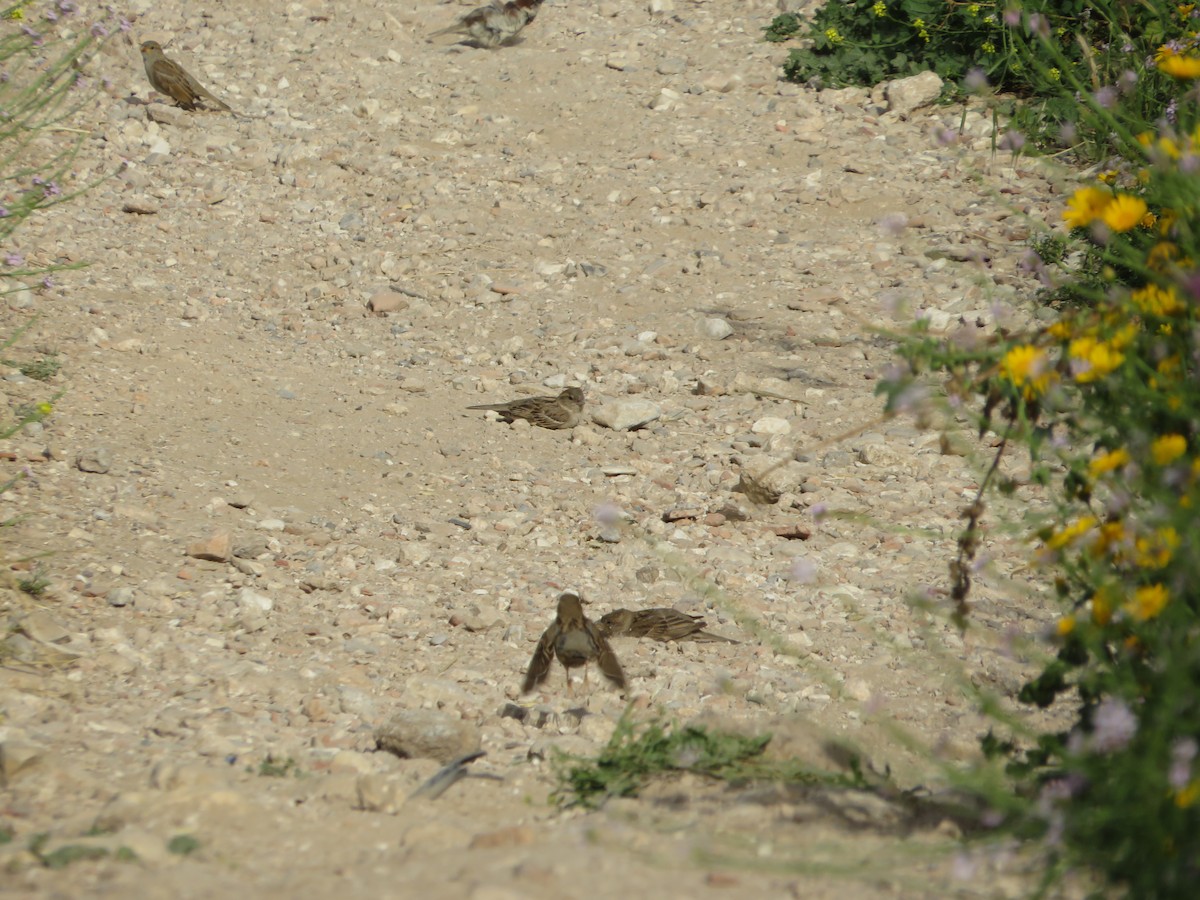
(1072, 533)
(1148, 602)
(1155, 301)
(879, 8)
(832, 35)
(1109, 461)
(1096, 358)
(1157, 550)
(1168, 448)
(1028, 368)
(1120, 212)
(1184, 66)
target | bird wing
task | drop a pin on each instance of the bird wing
(539, 664)
(606, 659)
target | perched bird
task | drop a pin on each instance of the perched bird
(658, 624)
(563, 411)
(576, 641)
(168, 77)
(495, 24)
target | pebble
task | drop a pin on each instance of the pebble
(716, 329)
(427, 734)
(626, 415)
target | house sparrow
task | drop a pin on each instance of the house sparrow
(658, 624)
(168, 77)
(575, 640)
(495, 24)
(563, 411)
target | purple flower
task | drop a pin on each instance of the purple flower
(1171, 113)
(125, 25)
(1039, 25)
(1128, 81)
(67, 7)
(1106, 97)
(1113, 726)
(817, 510)
(802, 570)
(98, 30)
(944, 136)
(1183, 751)
(14, 259)
(4, 213)
(1012, 17)
(1067, 133)
(36, 38)
(47, 282)
(976, 80)
(1012, 140)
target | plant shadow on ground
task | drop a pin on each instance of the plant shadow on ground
(644, 759)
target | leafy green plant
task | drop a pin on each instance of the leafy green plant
(183, 845)
(1104, 398)
(275, 768)
(640, 751)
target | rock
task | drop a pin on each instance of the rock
(906, 94)
(215, 548)
(387, 301)
(716, 328)
(41, 626)
(427, 734)
(252, 601)
(97, 460)
(771, 425)
(626, 415)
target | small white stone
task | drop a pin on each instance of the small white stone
(771, 425)
(716, 328)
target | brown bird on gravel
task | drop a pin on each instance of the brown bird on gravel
(495, 24)
(563, 411)
(576, 641)
(168, 77)
(658, 624)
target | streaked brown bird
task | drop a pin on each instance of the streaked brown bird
(662, 624)
(563, 411)
(496, 23)
(576, 641)
(168, 77)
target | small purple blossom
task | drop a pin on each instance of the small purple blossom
(607, 514)
(1106, 97)
(893, 223)
(1012, 140)
(47, 282)
(36, 39)
(1183, 751)
(4, 213)
(125, 25)
(817, 511)
(802, 570)
(976, 80)
(1171, 113)
(1067, 133)
(99, 30)
(944, 136)
(14, 259)
(1113, 726)
(67, 7)
(1039, 25)
(1012, 16)
(1128, 81)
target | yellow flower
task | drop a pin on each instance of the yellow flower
(1060, 330)
(973, 9)
(1026, 367)
(1098, 358)
(1072, 533)
(1181, 67)
(1085, 206)
(45, 409)
(1102, 608)
(1162, 254)
(1155, 301)
(1169, 148)
(879, 8)
(1054, 74)
(1148, 602)
(1111, 541)
(987, 47)
(1108, 177)
(1065, 626)
(1168, 448)
(1156, 551)
(1108, 461)
(1187, 795)
(1124, 212)
(831, 34)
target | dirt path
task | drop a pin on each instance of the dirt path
(594, 206)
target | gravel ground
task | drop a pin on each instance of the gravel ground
(274, 533)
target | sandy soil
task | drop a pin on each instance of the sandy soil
(628, 200)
